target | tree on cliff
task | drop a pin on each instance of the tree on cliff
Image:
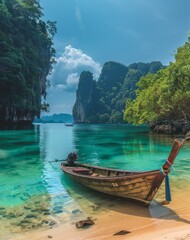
(164, 95)
(26, 58)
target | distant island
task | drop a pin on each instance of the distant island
(55, 118)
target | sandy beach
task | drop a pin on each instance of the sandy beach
(157, 222)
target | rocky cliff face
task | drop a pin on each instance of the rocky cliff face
(177, 127)
(85, 98)
(104, 101)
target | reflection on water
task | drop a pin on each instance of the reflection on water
(35, 193)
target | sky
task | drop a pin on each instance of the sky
(92, 32)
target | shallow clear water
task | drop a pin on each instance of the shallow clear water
(34, 193)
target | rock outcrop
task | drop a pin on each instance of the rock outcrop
(177, 127)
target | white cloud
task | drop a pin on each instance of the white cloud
(70, 64)
(72, 79)
(61, 86)
(71, 82)
(65, 76)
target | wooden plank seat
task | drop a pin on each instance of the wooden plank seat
(81, 170)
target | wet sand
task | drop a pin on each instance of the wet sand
(157, 222)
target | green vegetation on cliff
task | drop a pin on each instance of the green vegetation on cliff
(164, 95)
(104, 101)
(26, 55)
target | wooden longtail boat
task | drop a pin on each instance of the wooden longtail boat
(140, 187)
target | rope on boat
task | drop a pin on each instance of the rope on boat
(167, 189)
(162, 171)
(167, 185)
(171, 165)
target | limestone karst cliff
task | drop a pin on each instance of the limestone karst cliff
(103, 101)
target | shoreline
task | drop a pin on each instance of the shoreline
(156, 222)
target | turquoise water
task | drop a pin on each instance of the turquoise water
(33, 190)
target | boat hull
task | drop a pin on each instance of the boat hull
(140, 187)
(135, 186)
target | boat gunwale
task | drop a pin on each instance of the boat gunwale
(130, 175)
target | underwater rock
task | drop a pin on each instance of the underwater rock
(11, 215)
(47, 213)
(42, 209)
(75, 211)
(58, 211)
(24, 221)
(45, 222)
(34, 210)
(52, 222)
(27, 208)
(31, 216)
(57, 208)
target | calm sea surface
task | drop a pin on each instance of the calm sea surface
(34, 193)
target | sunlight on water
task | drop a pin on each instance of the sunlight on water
(35, 193)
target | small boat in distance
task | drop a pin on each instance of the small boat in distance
(139, 187)
(69, 124)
